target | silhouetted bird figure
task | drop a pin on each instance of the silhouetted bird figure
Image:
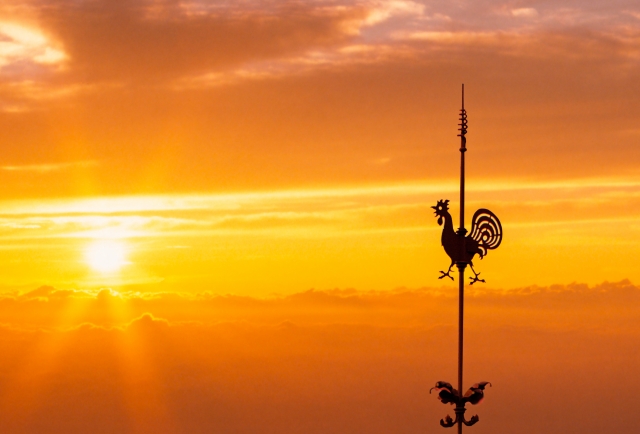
(475, 394)
(446, 393)
(486, 234)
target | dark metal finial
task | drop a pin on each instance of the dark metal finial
(463, 125)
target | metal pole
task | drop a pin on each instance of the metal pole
(461, 265)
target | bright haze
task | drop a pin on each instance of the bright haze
(177, 176)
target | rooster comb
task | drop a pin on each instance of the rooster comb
(441, 206)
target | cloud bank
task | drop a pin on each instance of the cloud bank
(339, 361)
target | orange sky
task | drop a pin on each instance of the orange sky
(339, 361)
(212, 161)
(331, 124)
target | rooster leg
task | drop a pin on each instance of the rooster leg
(476, 276)
(447, 274)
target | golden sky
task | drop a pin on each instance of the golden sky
(174, 173)
(270, 147)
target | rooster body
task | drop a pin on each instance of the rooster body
(486, 234)
(459, 248)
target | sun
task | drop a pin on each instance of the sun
(106, 256)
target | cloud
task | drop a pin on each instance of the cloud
(46, 168)
(22, 47)
(230, 43)
(147, 323)
(388, 230)
(326, 212)
(125, 82)
(429, 307)
(451, 37)
(524, 12)
(46, 293)
(136, 40)
(383, 10)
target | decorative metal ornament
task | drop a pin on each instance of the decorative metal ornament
(485, 235)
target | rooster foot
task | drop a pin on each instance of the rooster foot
(475, 279)
(445, 274)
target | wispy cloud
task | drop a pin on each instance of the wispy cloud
(524, 12)
(20, 45)
(451, 37)
(47, 168)
(300, 227)
(318, 213)
(381, 11)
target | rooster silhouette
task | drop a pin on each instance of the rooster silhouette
(486, 234)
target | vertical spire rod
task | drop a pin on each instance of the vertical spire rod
(461, 265)
(461, 268)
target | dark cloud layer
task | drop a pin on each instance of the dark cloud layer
(557, 306)
(141, 40)
(170, 96)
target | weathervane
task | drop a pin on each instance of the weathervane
(486, 234)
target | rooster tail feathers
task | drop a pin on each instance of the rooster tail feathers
(486, 230)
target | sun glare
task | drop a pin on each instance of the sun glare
(106, 256)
